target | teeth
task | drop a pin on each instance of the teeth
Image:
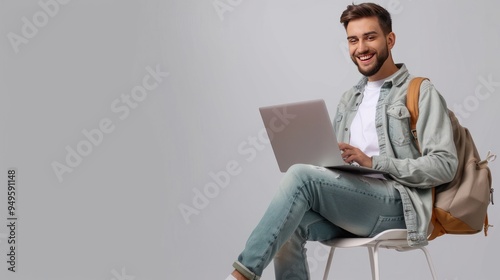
(365, 57)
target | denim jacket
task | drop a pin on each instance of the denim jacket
(413, 173)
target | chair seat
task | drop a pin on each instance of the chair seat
(391, 234)
(389, 239)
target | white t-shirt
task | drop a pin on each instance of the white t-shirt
(363, 131)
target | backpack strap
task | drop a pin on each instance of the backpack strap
(412, 97)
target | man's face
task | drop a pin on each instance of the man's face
(368, 46)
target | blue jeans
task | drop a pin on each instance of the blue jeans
(317, 204)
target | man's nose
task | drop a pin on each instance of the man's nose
(362, 46)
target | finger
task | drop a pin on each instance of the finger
(348, 156)
(345, 146)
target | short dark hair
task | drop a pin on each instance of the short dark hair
(363, 10)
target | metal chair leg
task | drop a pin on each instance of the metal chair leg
(329, 263)
(429, 262)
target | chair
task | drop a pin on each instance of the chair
(389, 239)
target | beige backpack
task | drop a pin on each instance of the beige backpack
(460, 206)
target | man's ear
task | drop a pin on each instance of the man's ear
(391, 40)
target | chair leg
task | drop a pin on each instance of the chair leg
(429, 262)
(373, 252)
(328, 263)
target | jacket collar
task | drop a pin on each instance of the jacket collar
(395, 79)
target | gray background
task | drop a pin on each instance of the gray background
(117, 214)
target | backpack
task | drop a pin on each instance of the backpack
(460, 206)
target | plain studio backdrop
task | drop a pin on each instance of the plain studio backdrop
(138, 149)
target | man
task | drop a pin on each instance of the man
(372, 126)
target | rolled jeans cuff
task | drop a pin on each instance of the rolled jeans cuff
(245, 271)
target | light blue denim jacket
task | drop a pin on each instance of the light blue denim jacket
(414, 174)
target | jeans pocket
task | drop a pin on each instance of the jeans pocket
(388, 222)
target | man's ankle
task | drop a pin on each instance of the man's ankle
(238, 275)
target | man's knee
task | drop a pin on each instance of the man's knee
(299, 169)
(293, 179)
(297, 173)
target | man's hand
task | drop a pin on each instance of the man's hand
(351, 153)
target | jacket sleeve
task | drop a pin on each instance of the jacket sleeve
(438, 163)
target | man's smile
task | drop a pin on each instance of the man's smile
(366, 57)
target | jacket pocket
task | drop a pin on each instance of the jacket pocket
(388, 222)
(398, 118)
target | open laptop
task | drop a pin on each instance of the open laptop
(302, 132)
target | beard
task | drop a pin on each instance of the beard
(381, 58)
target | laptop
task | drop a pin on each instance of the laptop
(302, 132)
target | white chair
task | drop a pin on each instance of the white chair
(389, 239)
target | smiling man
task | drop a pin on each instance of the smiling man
(372, 127)
(370, 43)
